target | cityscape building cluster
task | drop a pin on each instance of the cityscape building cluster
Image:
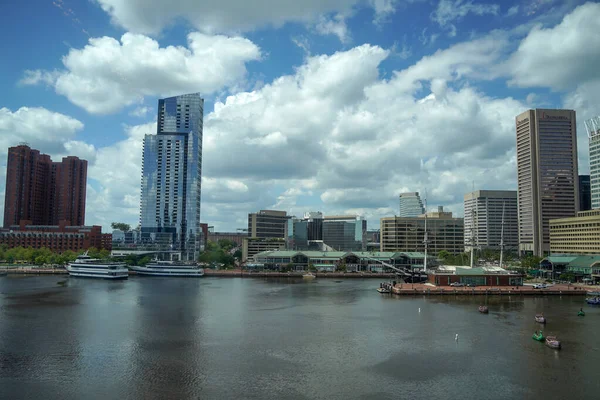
(553, 211)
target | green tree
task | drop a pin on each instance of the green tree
(121, 226)
(530, 262)
(342, 266)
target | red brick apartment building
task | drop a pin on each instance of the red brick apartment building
(58, 238)
(42, 191)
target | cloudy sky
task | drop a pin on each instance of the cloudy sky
(323, 105)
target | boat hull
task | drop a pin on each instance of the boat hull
(168, 271)
(384, 291)
(593, 302)
(97, 271)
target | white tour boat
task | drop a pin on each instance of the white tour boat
(168, 268)
(88, 267)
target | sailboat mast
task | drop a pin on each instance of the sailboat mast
(502, 237)
(425, 236)
(473, 211)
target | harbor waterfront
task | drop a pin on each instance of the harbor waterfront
(217, 338)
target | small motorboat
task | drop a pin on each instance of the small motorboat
(539, 318)
(581, 313)
(552, 342)
(309, 275)
(483, 309)
(538, 336)
(593, 293)
(383, 290)
(593, 301)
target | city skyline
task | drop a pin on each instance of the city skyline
(356, 107)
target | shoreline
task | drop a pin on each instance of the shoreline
(401, 289)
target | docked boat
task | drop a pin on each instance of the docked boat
(309, 275)
(552, 342)
(87, 267)
(483, 309)
(540, 318)
(538, 336)
(383, 290)
(593, 301)
(168, 268)
(596, 294)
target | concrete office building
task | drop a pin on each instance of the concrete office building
(171, 177)
(483, 219)
(411, 205)
(444, 232)
(267, 230)
(592, 127)
(576, 235)
(42, 191)
(268, 224)
(547, 174)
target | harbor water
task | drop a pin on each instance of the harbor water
(228, 338)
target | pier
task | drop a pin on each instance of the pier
(408, 289)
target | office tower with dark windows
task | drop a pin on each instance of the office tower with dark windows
(592, 127)
(547, 174)
(44, 192)
(345, 232)
(171, 177)
(411, 205)
(585, 196)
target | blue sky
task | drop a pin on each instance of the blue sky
(331, 105)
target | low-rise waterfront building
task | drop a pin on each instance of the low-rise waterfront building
(444, 232)
(584, 268)
(576, 235)
(58, 238)
(353, 261)
(479, 276)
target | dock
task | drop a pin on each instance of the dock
(419, 289)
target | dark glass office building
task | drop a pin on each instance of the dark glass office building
(585, 195)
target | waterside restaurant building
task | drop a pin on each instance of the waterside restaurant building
(479, 276)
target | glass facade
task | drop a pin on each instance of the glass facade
(585, 197)
(593, 130)
(171, 176)
(345, 233)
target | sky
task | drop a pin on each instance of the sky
(317, 105)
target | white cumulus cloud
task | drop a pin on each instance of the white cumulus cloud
(107, 74)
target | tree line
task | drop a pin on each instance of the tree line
(44, 256)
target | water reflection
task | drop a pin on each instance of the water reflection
(275, 339)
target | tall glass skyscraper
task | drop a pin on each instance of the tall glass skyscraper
(593, 130)
(171, 177)
(411, 205)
